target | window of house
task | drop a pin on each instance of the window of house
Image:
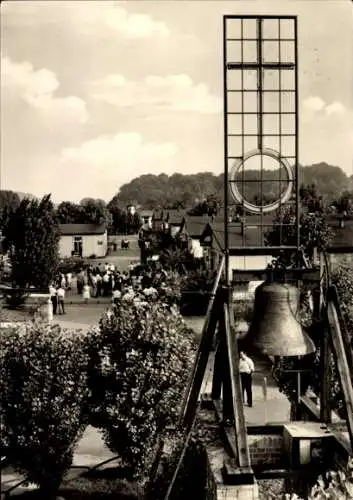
(78, 245)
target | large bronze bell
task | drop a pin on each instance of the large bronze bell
(275, 330)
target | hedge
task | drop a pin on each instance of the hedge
(43, 393)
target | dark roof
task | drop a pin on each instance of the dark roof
(195, 226)
(82, 229)
(146, 213)
(157, 214)
(252, 237)
(175, 216)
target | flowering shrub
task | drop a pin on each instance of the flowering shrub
(141, 360)
(168, 285)
(336, 485)
(43, 388)
(342, 277)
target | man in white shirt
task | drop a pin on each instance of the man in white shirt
(68, 280)
(61, 300)
(246, 369)
(116, 296)
(105, 284)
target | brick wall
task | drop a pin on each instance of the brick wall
(265, 449)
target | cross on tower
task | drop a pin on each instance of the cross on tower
(259, 66)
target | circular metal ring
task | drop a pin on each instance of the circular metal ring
(257, 209)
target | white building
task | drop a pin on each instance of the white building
(212, 241)
(85, 240)
(146, 219)
(193, 228)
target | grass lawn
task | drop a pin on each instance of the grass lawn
(10, 315)
(93, 487)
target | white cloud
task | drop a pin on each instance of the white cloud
(123, 149)
(335, 107)
(37, 88)
(171, 93)
(102, 164)
(316, 104)
(95, 17)
(90, 18)
(134, 25)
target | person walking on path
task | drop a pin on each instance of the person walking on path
(86, 293)
(80, 282)
(53, 297)
(61, 300)
(246, 369)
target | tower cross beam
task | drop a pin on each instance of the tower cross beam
(260, 66)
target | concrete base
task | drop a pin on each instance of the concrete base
(218, 458)
(241, 492)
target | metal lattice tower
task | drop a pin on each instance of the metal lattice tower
(260, 122)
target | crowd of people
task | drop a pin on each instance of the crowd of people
(106, 280)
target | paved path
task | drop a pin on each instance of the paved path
(274, 409)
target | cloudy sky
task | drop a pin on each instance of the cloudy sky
(94, 94)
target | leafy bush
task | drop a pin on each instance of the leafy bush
(16, 299)
(314, 232)
(168, 286)
(141, 360)
(43, 390)
(191, 481)
(71, 265)
(31, 236)
(342, 277)
(335, 485)
(195, 288)
(198, 280)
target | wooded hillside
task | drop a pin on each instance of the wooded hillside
(178, 190)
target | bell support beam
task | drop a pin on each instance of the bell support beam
(290, 275)
(339, 350)
(257, 250)
(237, 406)
(190, 403)
(208, 331)
(217, 372)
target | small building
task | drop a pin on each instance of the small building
(84, 240)
(174, 221)
(146, 218)
(192, 229)
(158, 219)
(212, 241)
(131, 209)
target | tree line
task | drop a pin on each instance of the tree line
(186, 191)
(88, 211)
(323, 187)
